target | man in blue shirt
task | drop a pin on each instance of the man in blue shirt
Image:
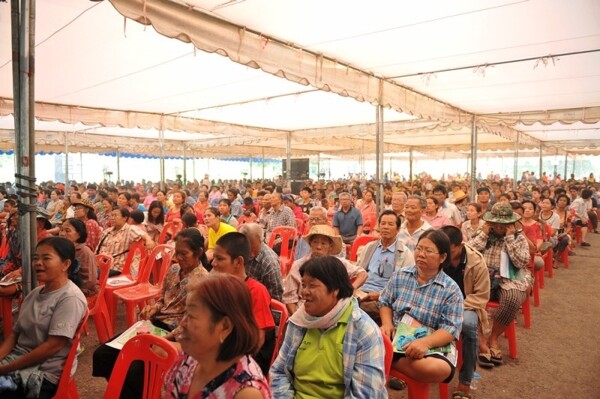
(347, 222)
(380, 259)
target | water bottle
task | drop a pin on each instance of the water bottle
(475, 381)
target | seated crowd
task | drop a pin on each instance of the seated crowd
(418, 275)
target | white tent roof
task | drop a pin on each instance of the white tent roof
(105, 82)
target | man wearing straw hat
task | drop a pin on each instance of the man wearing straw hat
(506, 254)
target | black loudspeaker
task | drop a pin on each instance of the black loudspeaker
(296, 186)
(299, 168)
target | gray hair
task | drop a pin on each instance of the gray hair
(345, 195)
(252, 230)
(319, 209)
(400, 194)
(421, 200)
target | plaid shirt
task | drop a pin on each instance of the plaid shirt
(438, 304)
(363, 359)
(266, 269)
(116, 242)
(283, 217)
(516, 248)
(94, 231)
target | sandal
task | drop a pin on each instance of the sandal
(485, 360)
(396, 384)
(496, 356)
(461, 395)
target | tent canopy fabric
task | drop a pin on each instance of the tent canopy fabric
(112, 75)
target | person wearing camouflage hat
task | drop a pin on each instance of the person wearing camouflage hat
(500, 241)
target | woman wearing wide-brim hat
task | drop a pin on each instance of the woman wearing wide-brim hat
(323, 241)
(499, 240)
(84, 211)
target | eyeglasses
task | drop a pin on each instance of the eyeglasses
(427, 251)
(315, 219)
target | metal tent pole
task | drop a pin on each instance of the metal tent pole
(118, 165)
(473, 170)
(263, 163)
(318, 166)
(23, 46)
(516, 165)
(541, 167)
(574, 160)
(288, 156)
(161, 140)
(379, 166)
(194, 168)
(410, 165)
(184, 166)
(250, 166)
(566, 161)
(66, 160)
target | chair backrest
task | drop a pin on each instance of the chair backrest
(280, 315)
(104, 263)
(170, 229)
(156, 364)
(164, 253)
(285, 232)
(135, 248)
(359, 242)
(287, 235)
(67, 388)
(300, 226)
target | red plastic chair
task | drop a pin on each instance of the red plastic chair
(3, 245)
(170, 229)
(549, 262)
(510, 333)
(143, 291)
(416, 389)
(359, 242)
(564, 256)
(136, 248)
(97, 304)
(286, 256)
(536, 283)
(140, 348)
(278, 307)
(300, 226)
(67, 386)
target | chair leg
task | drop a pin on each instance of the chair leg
(548, 263)
(511, 335)
(565, 257)
(443, 390)
(540, 276)
(527, 312)
(536, 293)
(130, 311)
